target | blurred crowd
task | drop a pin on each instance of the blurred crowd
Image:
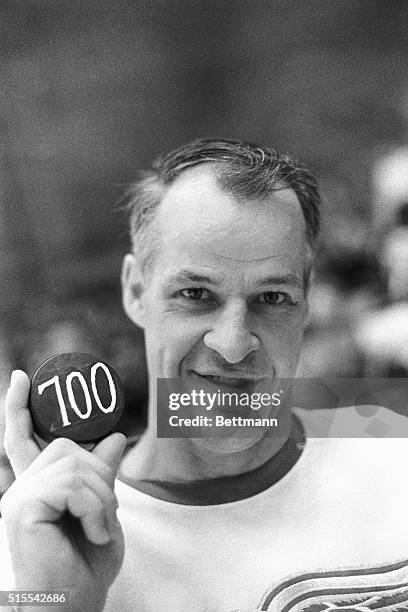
(359, 301)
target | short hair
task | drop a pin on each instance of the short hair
(245, 170)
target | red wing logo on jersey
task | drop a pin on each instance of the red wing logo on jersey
(384, 589)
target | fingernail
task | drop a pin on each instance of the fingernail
(15, 374)
(12, 377)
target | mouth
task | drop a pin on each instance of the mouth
(226, 380)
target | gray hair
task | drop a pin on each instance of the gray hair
(245, 170)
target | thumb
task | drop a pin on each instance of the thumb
(111, 450)
(19, 441)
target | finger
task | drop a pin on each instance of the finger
(97, 485)
(109, 500)
(85, 505)
(111, 450)
(76, 459)
(48, 495)
(19, 442)
(55, 482)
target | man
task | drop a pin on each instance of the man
(223, 238)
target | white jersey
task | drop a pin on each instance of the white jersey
(332, 534)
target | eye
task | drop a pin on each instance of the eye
(195, 293)
(275, 298)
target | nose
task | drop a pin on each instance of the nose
(230, 336)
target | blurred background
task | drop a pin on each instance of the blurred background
(93, 90)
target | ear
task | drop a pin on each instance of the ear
(310, 281)
(133, 289)
(306, 321)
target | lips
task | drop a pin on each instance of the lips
(224, 380)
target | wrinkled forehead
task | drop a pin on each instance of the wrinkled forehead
(196, 213)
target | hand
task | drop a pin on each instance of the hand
(60, 513)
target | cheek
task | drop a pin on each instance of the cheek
(169, 339)
(282, 339)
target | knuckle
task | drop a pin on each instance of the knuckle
(63, 445)
(106, 472)
(72, 463)
(72, 481)
(14, 502)
(71, 474)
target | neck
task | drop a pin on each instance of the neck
(186, 460)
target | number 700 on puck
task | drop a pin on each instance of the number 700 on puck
(76, 396)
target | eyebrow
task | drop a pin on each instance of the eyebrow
(189, 275)
(282, 279)
(276, 279)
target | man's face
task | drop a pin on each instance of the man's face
(225, 301)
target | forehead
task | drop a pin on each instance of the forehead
(199, 221)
